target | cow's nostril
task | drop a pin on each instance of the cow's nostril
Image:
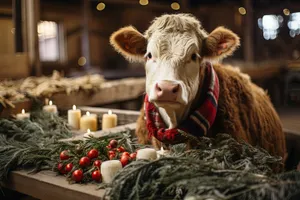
(158, 88)
(175, 89)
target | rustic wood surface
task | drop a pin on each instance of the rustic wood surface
(110, 92)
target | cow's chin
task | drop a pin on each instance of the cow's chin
(172, 112)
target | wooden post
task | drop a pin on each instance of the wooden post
(17, 18)
(85, 42)
(248, 32)
(32, 17)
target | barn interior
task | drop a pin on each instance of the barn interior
(58, 52)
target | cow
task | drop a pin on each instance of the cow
(189, 93)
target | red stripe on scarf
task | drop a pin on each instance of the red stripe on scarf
(208, 110)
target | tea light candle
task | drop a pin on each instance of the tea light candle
(109, 169)
(109, 120)
(23, 115)
(162, 152)
(89, 133)
(50, 108)
(88, 121)
(74, 116)
(146, 154)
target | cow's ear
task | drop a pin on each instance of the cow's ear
(130, 43)
(220, 43)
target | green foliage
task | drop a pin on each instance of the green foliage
(220, 169)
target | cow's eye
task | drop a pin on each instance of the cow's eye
(194, 57)
(149, 55)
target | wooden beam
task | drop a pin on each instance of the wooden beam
(32, 17)
(85, 42)
(17, 18)
(248, 32)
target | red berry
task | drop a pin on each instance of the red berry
(69, 167)
(93, 153)
(124, 160)
(84, 162)
(64, 155)
(111, 152)
(112, 156)
(97, 163)
(61, 168)
(113, 143)
(125, 154)
(77, 175)
(133, 156)
(96, 175)
(121, 149)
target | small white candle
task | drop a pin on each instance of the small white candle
(88, 121)
(146, 154)
(50, 108)
(109, 169)
(74, 116)
(23, 115)
(89, 133)
(109, 120)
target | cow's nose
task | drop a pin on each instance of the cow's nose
(166, 90)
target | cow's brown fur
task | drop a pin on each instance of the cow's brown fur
(244, 111)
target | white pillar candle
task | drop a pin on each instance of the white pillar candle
(109, 120)
(23, 115)
(50, 108)
(146, 154)
(88, 121)
(74, 116)
(109, 169)
(162, 152)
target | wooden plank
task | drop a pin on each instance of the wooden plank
(109, 92)
(15, 65)
(46, 185)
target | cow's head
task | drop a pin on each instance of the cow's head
(173, 50)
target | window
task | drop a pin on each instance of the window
(48, 34)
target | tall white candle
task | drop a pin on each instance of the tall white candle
(88, 121)
(146, 154)
(109, 120)
(23, 115)
(109, 169)
(50, 108)
(74, 116)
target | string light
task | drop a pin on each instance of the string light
(175, 6)
(242, 11)
(286, 11)
(144, 2)
(82, 61)
(100, 6)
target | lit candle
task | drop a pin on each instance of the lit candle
(89, 133)
(109, 120)
(162, 152)
(109, 169)
(74, 116)
(50, 108)
(88, 121)
(146, 154)
(23, 115)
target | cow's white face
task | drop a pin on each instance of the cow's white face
(172, 60)
(172, 50)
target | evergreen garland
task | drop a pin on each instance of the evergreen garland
(221, 168)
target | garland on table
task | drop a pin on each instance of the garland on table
(221, 168)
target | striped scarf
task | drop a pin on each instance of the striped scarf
(198, 122)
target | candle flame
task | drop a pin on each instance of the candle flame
(74, 107)
(50, 103)
(109, 112)
(88, 130)
(88, 113)
(23, 111)
(162, 149)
